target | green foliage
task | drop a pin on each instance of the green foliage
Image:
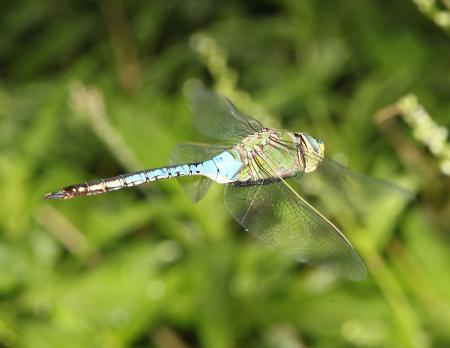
(93, 89)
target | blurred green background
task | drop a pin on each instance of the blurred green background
(91, 89)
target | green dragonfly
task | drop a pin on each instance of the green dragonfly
(255, 169)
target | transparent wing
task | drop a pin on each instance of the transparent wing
(278, 216)
(216, 117)
(349, 194)
(335, 184)
(195, 186)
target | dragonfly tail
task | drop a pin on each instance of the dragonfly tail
(124, 181)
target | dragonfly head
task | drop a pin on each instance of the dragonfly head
(321, 146)
(316, 146)
(314, 150)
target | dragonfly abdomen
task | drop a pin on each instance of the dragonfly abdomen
(220, 168)
(99, 186)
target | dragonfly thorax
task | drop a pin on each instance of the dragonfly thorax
(273, 154)
(255, 145)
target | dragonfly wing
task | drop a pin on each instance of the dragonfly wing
(336, 184)
(344, 190)
(278, 216)
(195, 186)
(216, 117)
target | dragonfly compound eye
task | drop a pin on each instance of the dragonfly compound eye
(315, 145)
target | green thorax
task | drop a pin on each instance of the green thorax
(273, 154)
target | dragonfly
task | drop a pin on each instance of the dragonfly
(257, 166)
